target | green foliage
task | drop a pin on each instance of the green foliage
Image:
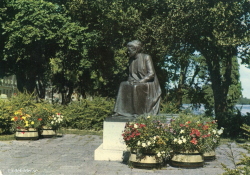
(239, 171)
(6, 110)
(168, 107)
(243, 100)
(41, 34)
(79, 44)
(22, 100)
(246, 128)
(88, 113)
(233, 120)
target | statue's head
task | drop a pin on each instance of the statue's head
(134, 47)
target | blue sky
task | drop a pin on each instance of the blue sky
(245, 80)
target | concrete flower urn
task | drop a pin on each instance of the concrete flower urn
(187, 159)
(47, 132)
(27, 134)
(145, 160)
(209, 156)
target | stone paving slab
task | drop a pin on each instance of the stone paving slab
(74, 155)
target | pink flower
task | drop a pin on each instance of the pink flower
(194, 141)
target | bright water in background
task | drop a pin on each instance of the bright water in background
(243, 108)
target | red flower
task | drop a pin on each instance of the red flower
(195, 132)
(205, 127)
(181, 125)
(40, 119)
(194, 141)
(142, 125)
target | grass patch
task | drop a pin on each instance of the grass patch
(60, 132)
(79, 132)
(7, 137)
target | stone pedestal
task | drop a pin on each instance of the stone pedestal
(113, 147)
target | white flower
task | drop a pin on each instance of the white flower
(154, 137)
(143, 145)
(158, 154)
(214, 131)
(175, 139)
(184, 140)
(163, 152)
(52, 122)
(139, 143)
(182, 131)
(135, 126)
(220, 131)
(149, 143)
(180, 141)
(148, 117)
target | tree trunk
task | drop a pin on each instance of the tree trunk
(221, 80)
(25, 83)
(181, 84)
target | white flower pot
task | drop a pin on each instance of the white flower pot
(187, 159)
(209, 156)
(146, 161)
(47, 132)
(27, 134)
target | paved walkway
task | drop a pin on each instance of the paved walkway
(74, 155)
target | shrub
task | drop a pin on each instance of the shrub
(88, 113)
(6, 110)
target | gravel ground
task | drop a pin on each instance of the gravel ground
(74, 155)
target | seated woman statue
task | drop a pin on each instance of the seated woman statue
(141, 93)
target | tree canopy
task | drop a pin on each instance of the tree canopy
(80, 45)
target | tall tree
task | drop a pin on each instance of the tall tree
(215, 29)
(38, 34)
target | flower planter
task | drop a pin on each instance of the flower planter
(209, 156)
(27, 134)
(147, 161)
(47, 132)
(187, 159)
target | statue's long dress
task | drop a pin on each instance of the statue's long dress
(141, 98)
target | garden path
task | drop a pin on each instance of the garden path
(74, 155)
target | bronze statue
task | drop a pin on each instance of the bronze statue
(141, 93)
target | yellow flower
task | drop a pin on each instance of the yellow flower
(18, 112)
(27, 115)
(26, 122)
(24, 118)
(12, 119)
(32, 122)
